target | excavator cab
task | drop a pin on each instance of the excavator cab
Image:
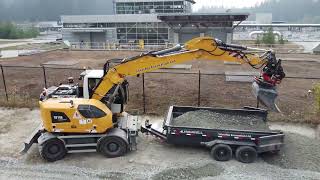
(264, 86)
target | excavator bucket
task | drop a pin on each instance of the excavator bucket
(266, 96)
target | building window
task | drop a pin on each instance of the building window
(151, 33)
(147, 7)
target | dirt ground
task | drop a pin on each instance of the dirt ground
(25, 84)
(154, 159)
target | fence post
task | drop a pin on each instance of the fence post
(4, 82)
(199, 89)
(44, 76)
(143, 95)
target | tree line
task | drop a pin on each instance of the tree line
(11, 31)
(51, 10)
(291, 11)
(294, 11)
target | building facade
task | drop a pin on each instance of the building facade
(152, 7)
(156, 22)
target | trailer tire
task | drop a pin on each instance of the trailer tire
(221, 152)
(112, 146)
(52, 150)
(246, 154)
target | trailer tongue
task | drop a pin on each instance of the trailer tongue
(221, 136)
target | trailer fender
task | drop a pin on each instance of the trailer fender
(210, 144)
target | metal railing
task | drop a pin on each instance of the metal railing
(116, 46)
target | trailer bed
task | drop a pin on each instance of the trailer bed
(220, 120)
(234, 128)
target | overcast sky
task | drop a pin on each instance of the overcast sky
(226, 3)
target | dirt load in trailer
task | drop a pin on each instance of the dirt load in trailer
(242, 133)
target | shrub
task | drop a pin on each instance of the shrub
(268, 37)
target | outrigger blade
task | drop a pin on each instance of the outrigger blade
(33, 138)
(266, 96)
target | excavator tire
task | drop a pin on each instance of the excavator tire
(112, 146)
(52, 150)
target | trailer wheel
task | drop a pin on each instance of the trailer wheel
(112, 146)
(52, 150)
(246, 154)
(221, 152)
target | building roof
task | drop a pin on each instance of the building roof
(191, 1)
(46, 24)
(172, 18)
(203, 17)
(278, 25)
(118, 18)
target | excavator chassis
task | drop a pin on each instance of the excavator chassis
(115, 142)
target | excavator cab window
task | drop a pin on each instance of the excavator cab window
(90, 111)
(92, 83)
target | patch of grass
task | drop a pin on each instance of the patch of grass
(37, 46)
(316, 90)
(18, 101)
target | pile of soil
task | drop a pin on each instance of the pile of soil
(299, 152)
(215, 120)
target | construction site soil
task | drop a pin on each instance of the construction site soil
(215, 120)
(153, 159)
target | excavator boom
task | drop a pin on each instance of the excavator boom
(203, 48)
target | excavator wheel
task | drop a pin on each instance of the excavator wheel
(112, 146)
(52, 150)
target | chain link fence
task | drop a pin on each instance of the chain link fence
(153, 92)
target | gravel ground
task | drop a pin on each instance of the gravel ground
(299, 152)
(208, 119)
(153, 160)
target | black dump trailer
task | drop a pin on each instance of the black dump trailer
(242, 133)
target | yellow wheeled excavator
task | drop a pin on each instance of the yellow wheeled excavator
(99, 123)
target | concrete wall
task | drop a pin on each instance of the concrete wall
(110, 35)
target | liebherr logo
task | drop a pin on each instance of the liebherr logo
(156, 66)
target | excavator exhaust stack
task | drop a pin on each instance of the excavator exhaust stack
(266, 96)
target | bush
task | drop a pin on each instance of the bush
(281, 40)
(11, 31)
(269, 37)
